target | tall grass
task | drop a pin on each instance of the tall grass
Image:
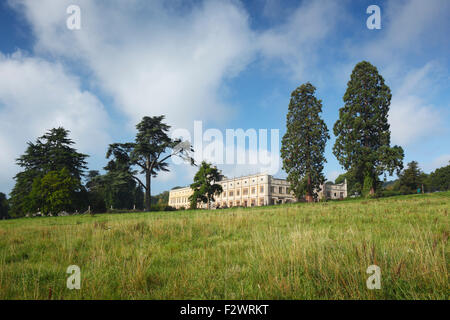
(296, 251)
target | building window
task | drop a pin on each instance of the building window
(272, 189)
(238, 203)
(280, 190)
(238, 192)
(253, 190)
(261, 189)
(230, 193)
(245, 191)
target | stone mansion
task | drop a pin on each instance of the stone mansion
(253, 190)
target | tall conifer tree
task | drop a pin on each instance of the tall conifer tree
(362, 130)
(303, 145)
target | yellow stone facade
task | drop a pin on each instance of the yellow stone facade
(247, 191)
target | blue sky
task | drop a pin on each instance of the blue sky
(230, 64)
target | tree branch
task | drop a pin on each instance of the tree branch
(140, 182)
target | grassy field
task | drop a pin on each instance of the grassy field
(296, 251)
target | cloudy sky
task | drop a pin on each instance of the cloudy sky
(230, 64)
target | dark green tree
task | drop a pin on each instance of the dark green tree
(4, 206)
(362, 130)
(51, 152)
(303, 145)
(54, 192)
(115, 189)
(411, 179)
(19, 196)
(439, 180)
(162, 198)
(96, 192)
(352, 185)
(149, 153)
(205, 187)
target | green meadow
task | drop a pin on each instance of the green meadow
(293, 251)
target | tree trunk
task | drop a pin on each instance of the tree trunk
(147, 191)
(309, 197)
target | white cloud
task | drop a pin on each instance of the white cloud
(156, 57)
(411, 117)
(332, 175)
(297, 40)
(436, 163)
(36, 96)
(408, 28)
(150, 57)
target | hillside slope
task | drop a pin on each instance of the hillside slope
(297, 251)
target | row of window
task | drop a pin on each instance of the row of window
(244, 203)
(238, 183)
(341, 194)
(281, 190)
(179, 200)
(244, 192)
(231, 193)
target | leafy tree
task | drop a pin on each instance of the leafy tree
(353, 186)
(162, 198)
(411, 179)
(96, 192)
(389, 185)
(205, 186)
(20, 194)
(362, 130)
(439, 180)
(303, 145)
(4, 206)
(54, 192)
(121, 190)
(114, 189)
(51, 152)
(92, 181)
(149, 153)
